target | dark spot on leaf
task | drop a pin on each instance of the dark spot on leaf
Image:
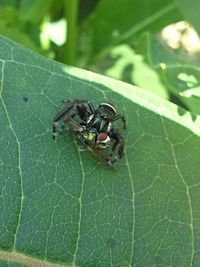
(25, 98)
(111, 243)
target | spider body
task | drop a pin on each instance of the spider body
(92, 127)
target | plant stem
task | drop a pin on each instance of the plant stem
(71, 10)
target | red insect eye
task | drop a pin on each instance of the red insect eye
(102, 136)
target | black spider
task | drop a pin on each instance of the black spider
(93, 127)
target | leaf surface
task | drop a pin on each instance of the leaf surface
(60, 205)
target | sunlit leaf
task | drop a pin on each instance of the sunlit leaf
(131, 67)
(183, 81)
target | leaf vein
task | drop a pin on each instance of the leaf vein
(19, 155)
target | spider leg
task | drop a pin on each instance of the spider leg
(85, 109)
(76, 127)
(61, 115)
(117, 151)
(82, 109)
(120, 116)
(83, 104)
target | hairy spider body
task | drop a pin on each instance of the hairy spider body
(93, 127)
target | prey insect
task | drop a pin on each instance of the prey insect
(92, 127)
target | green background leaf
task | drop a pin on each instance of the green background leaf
(183, 81)
(131, 18)
(177, 73)
(34, 10)
(58, 204)
(190, 12)
(132, 68)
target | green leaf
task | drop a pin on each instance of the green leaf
(8, 264)
(156, 52)
(190, 11)
(34, 10)
(131, 67)
(12, 27)
(8, 2)
(106, 28)
(183, 81)
(61, 205)
(180, 78)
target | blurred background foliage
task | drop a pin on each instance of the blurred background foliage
(149, 43)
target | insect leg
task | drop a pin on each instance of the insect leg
(118, 147)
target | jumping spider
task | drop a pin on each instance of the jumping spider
(93, 127)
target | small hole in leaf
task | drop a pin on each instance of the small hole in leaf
(25, 98)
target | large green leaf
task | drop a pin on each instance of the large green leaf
(59, 204)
